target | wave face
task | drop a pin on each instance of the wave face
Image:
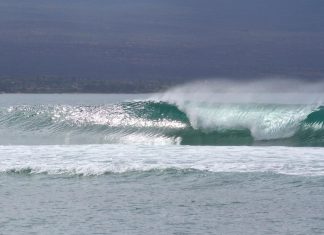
(164, 122)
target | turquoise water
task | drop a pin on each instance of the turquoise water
(149, 164)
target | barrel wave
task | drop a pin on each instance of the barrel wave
(162, 122)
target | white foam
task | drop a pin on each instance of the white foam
(256, 106)
(264, 121)
(100, 159)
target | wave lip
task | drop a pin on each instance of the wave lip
(102, 159)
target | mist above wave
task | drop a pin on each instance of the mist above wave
(269, 90)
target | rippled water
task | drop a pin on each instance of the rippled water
(52, 185)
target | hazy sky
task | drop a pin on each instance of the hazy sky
(161, 39)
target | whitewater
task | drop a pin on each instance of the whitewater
(197, 159)
(94, 160)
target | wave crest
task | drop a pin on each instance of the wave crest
(160, 122)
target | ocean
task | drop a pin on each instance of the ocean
(168, 163)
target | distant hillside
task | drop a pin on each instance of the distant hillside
(59, 85)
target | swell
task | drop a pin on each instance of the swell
(156, 122)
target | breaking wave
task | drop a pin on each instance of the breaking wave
(110, 159)
(164, 122)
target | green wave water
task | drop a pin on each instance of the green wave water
(156, 122)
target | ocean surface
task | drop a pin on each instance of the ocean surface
(171, 163)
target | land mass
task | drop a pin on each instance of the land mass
(74, 85)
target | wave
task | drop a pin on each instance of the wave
(164, 122)
(106, 159)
